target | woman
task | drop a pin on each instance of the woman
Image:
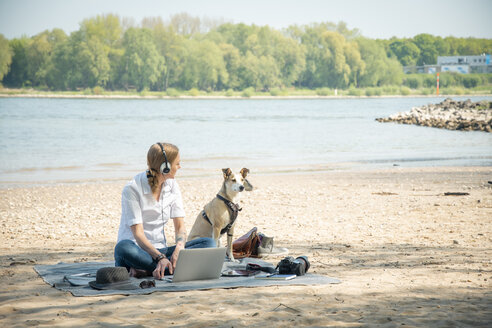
(147, 203)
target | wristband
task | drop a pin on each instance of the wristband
(159, 257)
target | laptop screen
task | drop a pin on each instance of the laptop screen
(199, 264)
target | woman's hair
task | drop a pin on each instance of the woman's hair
(155, 158)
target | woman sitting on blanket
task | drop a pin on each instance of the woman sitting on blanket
(147, 203)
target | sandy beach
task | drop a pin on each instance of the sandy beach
(406, 253)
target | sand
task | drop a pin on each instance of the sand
(407, 254)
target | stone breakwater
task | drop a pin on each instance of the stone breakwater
(449, 114)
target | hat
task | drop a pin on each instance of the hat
(113, 278)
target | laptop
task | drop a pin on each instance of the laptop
(198, 264)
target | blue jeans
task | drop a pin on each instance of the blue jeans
(130, 255)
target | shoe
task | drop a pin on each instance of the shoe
(266, 248)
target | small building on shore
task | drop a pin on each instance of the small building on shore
(456, 64)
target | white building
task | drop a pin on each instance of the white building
(456, 64)
(465, 64)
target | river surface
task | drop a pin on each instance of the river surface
(55, 140)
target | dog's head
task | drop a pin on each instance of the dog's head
(235, 183)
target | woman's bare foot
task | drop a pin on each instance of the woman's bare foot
(138, 273)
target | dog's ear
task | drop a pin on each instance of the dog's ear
(244, 172)
(227, 172)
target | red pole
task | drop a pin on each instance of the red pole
(438, 84)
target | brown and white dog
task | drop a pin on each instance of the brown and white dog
(219, 215)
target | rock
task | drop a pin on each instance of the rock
(449, 114)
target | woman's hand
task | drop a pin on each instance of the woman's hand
(160, 269)
(174, 257)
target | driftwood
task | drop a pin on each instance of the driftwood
(384, 193)
(456, 194)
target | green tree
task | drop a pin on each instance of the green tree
(470, 46)
(268, 74)
(336, 68)
(88, 57)
(310, 38)
(171, 47)
(266, 58)
(289, 56)
(58, 73)
(102, 36)
(454, 44)
(379, 68)
(204, 66)
(211, 68)
(428, 50)
(39, 54)
(5, 56)
(105, 28)
(232, 60)
(355, 62)
(97, 63)
(441, 46)
(18, 74)
(142, 65)
(261, 73)
(326, 60)
(237, 35)
(406, 51)
(80, 63)
(282, 56)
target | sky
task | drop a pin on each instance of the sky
(374, 18)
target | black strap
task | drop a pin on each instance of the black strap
(233, 210)
(206, 217)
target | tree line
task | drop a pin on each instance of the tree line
(187, 52)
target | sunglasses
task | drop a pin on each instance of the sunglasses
(147, 284)
(256, 267)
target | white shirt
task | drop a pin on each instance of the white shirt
(138, 205)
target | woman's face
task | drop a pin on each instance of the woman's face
(175, 166)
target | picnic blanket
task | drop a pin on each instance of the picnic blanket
(75, 277)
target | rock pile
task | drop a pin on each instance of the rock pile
(449, 114)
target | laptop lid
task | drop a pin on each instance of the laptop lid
(199, 264)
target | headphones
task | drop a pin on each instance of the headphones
(164, 166)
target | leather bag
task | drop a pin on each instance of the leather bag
(246, 245)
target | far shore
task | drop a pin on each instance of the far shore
(13, 93)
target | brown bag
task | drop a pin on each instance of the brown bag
(246, 245)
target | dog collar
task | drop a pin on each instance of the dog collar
(233, 208)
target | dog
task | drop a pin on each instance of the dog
(219, 215)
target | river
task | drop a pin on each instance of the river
(53, 140)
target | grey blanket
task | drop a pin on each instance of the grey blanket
(75, 277)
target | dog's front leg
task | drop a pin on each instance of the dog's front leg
(229, 252)
(216, 235)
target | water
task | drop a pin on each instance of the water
(44, 140)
